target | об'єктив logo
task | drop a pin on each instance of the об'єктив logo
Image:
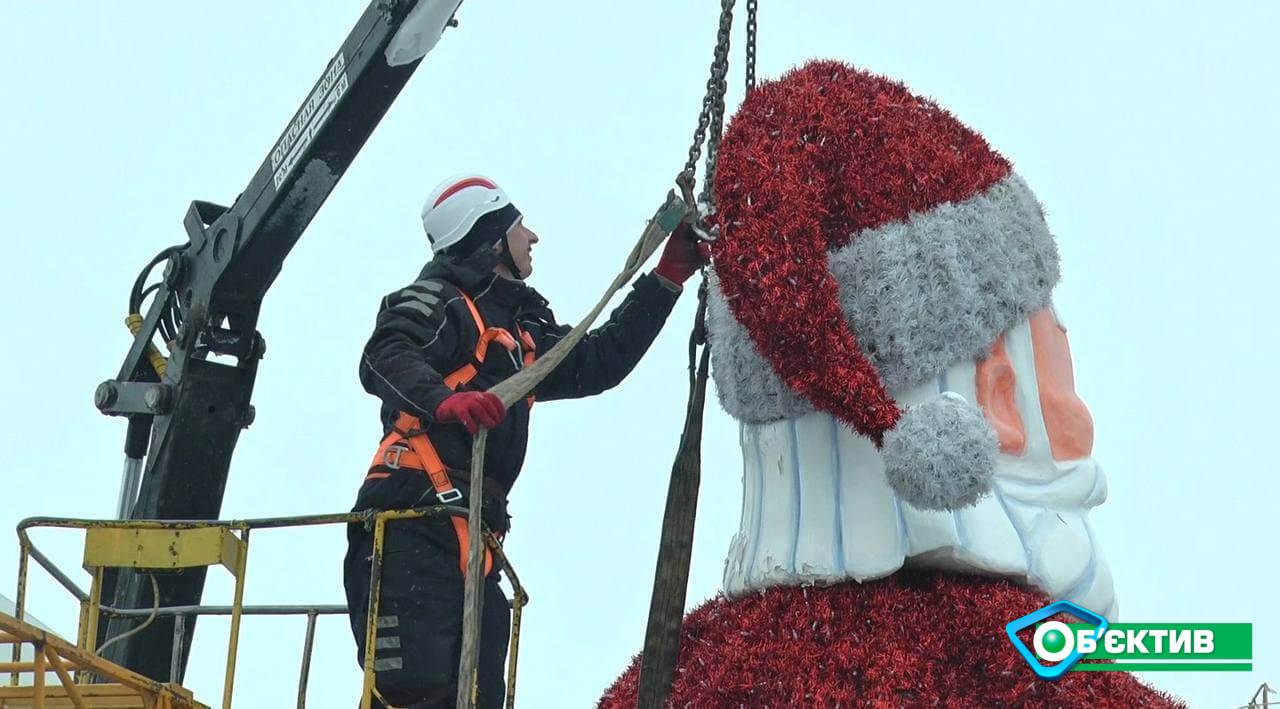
(1161, 646)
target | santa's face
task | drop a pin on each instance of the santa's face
(817, 508)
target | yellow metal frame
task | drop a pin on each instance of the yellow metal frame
(147, 547)
(158, 545)
(54, 655)
(144, 548)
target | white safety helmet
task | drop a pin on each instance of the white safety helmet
(455, 206)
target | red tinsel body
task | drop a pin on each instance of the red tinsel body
(810, 160)
(913, 639)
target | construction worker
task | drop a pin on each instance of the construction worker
(468, 322)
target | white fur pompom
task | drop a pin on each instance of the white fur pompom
(941, 455)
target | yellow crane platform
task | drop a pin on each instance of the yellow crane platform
(47, 672)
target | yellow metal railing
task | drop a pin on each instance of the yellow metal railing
(51, 654)
(165, 545)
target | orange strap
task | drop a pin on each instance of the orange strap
(391, 454)
(467, 372)
(446, 492)
(489, 335)
(475, 313)
(530, 348)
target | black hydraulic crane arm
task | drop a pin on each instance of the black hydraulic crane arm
(191, 416)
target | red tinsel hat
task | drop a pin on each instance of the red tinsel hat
(870, 238)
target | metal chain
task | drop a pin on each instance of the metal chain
(714, 97)
(717, 112)
(752, 7)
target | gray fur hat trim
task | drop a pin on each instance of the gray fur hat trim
(919, 294)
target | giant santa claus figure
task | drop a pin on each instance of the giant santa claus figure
(916, 462)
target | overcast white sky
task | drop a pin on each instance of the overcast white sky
(1148, 130)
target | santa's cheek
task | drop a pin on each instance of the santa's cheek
(996, 386)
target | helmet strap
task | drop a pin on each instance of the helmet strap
(504, 252)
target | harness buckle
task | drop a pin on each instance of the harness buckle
(391, 458)
(453, 494)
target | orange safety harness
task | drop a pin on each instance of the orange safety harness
(407, 444)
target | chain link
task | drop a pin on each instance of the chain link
(752, 7)
(713, 139)
(712, 113)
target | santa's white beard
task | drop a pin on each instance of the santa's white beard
(817, 509)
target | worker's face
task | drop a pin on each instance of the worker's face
(521, 239)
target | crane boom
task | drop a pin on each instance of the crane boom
(191, 417)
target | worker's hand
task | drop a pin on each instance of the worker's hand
(683, 255)
(472, 409)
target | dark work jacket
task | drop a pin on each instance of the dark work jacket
(425, 331)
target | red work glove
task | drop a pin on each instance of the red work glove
(472, 409)
(682, 256)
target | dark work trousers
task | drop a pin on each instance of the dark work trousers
(419, 638)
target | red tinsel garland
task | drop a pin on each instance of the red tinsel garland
(913, 639)
(809, 161)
